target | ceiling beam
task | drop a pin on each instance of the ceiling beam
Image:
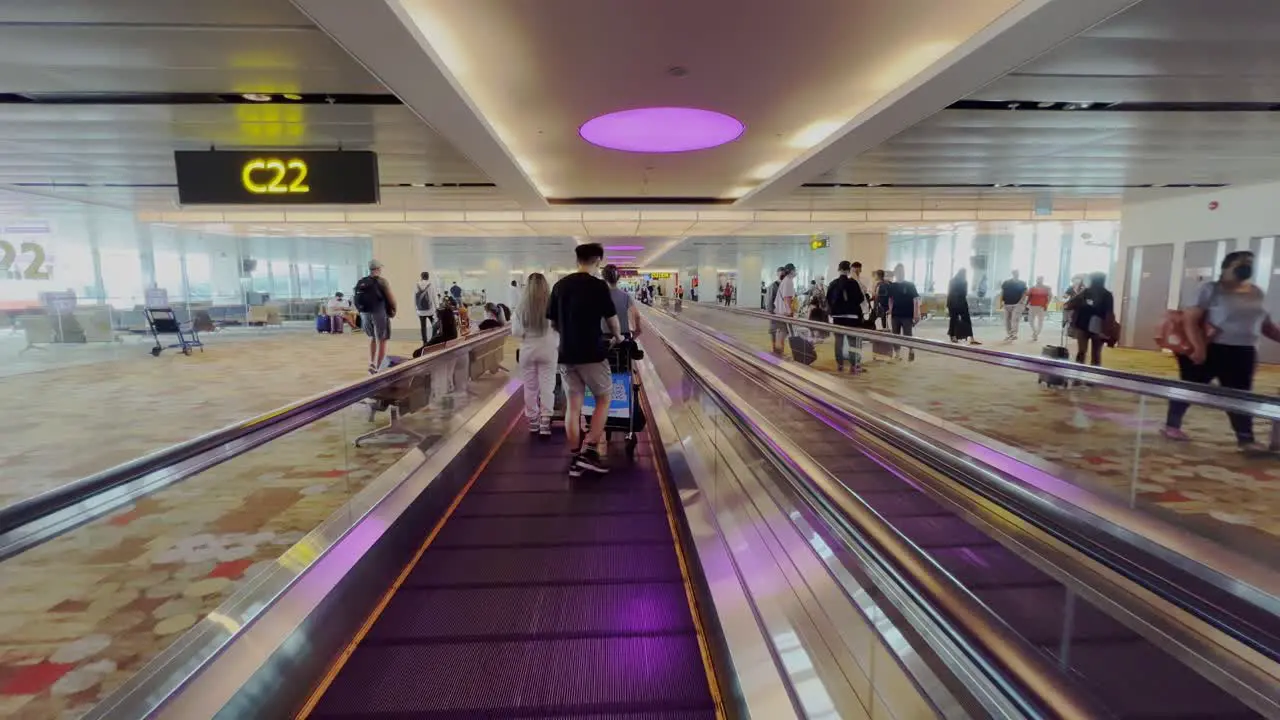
(379, 35)
(1025, 32)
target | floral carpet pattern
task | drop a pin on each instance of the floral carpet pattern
(1110, 437)
(82, 613)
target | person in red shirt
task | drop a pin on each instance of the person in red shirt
(1038, 306)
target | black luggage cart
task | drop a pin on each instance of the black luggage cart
(163, 321)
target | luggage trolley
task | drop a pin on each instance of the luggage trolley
(625, 415)
(164, 321)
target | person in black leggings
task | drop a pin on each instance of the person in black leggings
(1223, 329)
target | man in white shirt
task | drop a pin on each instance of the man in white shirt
(862, 285)
(424, 300)
(338, 310)
(784, 304)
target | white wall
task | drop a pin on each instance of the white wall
(1242, 213)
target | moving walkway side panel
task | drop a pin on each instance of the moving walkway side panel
(1134, 675)
(839, 661)
(272, 665)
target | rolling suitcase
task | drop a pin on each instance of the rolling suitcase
(802, 350)
(322, 323)
(1056, 352)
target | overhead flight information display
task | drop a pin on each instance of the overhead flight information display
(277, 177)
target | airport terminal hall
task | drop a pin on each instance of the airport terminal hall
(639, 359)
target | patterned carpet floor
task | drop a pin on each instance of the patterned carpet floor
(1111, 437)
(82, 613)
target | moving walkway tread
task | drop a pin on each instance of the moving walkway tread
(541, 596)
(1128, 674)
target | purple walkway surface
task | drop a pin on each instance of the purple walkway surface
(542, 597)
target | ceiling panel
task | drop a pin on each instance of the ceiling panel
(538, 71)
(234, 46)
(163, 46)
(1159, 50)
(134, 145)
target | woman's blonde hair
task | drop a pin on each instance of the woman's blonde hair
(533, 307)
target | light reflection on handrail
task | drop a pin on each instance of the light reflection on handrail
(1016, 660)
(1241, 657)
(1167, 389)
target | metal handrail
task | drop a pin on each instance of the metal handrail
(1164, 388)
(1030, 670)
(184, 459)
(1256, 590)
(1241, 576)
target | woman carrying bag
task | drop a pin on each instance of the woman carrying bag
(1093, 319)
(1219, 340)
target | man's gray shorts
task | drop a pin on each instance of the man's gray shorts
(376, 325)
(596, 376)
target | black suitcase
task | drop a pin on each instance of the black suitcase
(802, 350)
(1055, 352)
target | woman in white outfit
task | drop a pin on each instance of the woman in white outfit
(539, 350)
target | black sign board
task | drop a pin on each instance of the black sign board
(277, 177)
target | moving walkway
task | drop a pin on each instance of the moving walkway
(771, 552)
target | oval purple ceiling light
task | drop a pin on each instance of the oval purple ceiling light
(661, 130)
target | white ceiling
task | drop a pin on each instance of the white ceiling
(1157, 51)
(170, 46)
(1160, 50)
(548, 73)
(537, 71)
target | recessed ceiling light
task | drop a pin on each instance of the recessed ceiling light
(814, 134)
(661, 130)
(256, 97)
(292, 96)
(767, 170)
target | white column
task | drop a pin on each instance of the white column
(403, 259)
(497, 278)
(750, 273)
(870, 249)
(708, 278)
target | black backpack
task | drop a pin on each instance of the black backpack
(423, 300)
(368, 296)
(772, 296)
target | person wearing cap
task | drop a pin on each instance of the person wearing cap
(377, 305)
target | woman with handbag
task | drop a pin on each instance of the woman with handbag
(1221, 332)
(1093, 319)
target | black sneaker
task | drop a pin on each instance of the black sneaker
(575, 470)
(590, 459)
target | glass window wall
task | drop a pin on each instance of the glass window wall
(107, 258)
(1055, 250)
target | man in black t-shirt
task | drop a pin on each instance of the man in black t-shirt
(904, 310)
(845, 299)
(579, 302)
(1013, 296)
